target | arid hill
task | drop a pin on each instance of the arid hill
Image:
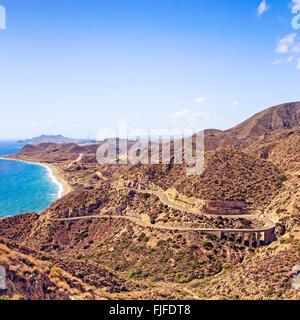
(285, 116)
(56, 152)
(127, 231)
(255, 180)
(282, 117)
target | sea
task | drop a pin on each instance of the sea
(25, 187)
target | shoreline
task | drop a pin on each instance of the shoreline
(56, 177)
(54, 174)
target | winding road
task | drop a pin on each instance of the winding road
(267, 229)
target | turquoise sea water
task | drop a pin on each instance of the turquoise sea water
(24, 187)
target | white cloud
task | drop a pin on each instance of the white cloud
(263, 7)
(200, 114)
(296, 48)
(290, 44)
(282, 48)
(180, 114)
(186, 119)
(295, 4)
(285, 43)
(199, 100)
(236, 103)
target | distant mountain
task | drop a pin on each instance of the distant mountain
(55, 139)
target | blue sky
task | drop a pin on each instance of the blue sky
(74, 67)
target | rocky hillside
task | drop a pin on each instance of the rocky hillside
(282, 117)
(267, 275)
(285, 116)
(36, 278)
(144, 246)
(53, 152)
(281, 147)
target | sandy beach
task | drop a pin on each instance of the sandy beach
(59, 176)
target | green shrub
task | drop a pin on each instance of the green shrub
(141, 236)
(181, 278)
(286, 241)
(269, 292)
(226, 266)
(245, 224)
(203, 282)
(212, 237)
(207, 245)
(282, 178)
(146, 239)
(161, 243)
(82, 235)
(137, 274)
